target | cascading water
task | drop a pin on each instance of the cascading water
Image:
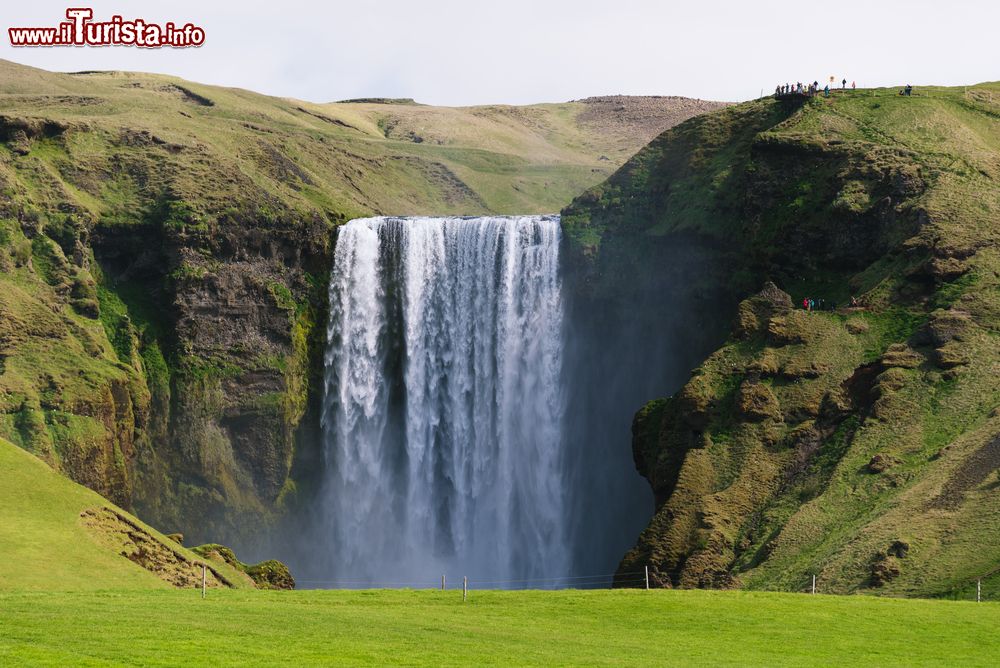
(443, 411)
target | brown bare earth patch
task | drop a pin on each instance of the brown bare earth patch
(117, 532)
(643, 117)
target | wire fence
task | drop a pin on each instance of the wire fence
(601, 581)
(985, 588)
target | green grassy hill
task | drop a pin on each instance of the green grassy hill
(434, 628)
(164, 254)
(340, 159)
(858, 443)
(56, 535)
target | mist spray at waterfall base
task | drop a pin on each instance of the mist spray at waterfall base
(443, 410)
(482, 375)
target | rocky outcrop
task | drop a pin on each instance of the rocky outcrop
(172, 565)
(270, 574)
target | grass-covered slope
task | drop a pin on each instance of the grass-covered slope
(56, 535)
(336, 159)
(435, 628)
(164, 254)
(856, 443)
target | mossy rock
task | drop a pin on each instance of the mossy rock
(944, 327)
(951, 355)
(889, 381)
(885, 568)
(766, 364)
(788, 330)
(747, 321)
(945, 269)
(901, 356)
(757, 402)
(270, 574)
(87, 307)
(881, 462)
(899, 549)
(695, 401)
(755, 313)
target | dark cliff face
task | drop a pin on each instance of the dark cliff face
(165, 354)
(236, 306)
(636, 323)
(808, 442)
(644, 306)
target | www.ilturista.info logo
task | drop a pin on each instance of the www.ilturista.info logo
(80, 30)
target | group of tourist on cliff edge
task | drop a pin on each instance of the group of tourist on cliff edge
(807, 90)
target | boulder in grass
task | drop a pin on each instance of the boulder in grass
(881, 463)
(885, 569)
(270, 574)
(757, 402)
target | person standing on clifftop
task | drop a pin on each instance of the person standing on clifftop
(843, 84)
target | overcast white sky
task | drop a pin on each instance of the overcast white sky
(461, 52)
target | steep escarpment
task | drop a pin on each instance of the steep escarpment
(855, 440)
(229, 361)
(164, 255)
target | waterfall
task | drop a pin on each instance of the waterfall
(442, 418)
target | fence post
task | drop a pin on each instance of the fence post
(442, 582)
(465, 588)
(814, 583)
(647, 578)
(204, 579)
(979, 591)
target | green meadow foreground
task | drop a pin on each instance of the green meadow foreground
(498, 628)
(69, 596)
